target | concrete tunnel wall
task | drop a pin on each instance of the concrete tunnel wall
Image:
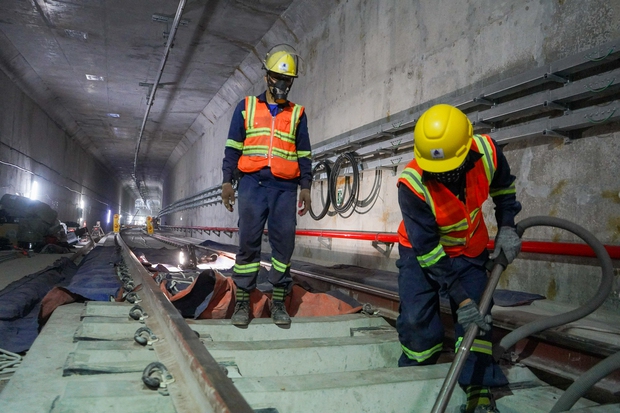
(365, 60)
(38, 149)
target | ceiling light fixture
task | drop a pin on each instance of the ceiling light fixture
(93, 77)
(160, 18)
(113, 115)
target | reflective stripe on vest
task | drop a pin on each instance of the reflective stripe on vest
(460, 226)
(270, 140)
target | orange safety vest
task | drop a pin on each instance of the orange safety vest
(270, 140)
(461, 226)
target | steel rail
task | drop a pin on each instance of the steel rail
(200, 383)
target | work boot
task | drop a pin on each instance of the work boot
(479, 400)
(241, 315)
(278, 309)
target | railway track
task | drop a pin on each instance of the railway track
(116, 357)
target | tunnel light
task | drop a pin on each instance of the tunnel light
(109, 216)
(113, 115)
(94, 77)
(181, 259)
(34, 190)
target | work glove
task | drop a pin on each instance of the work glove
(469, 314)
(304, 202)
(228, 195)
(508, 241)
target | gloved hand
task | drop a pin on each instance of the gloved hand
(469, 314)
(304, 202)
(507, 240)
(228, 195)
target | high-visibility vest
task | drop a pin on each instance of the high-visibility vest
(270, 140)
(461, 226)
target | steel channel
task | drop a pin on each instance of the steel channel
(200, 383)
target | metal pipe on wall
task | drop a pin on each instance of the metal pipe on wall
(537, 247)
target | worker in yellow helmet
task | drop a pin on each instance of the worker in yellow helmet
(269, 145)
(443, 240)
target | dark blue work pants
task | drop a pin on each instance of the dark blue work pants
(419, 326)
(261, 203)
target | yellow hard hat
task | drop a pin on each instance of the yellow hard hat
(281, 59)
(442, 138)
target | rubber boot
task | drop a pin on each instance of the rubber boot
(479, 400)
(241, 316)
(278, 309)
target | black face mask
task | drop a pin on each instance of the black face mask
(449, 177)
(279, 88)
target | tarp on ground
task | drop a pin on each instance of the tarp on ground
(20, 304)
(211, 295)
(95, 280)
(96, 277)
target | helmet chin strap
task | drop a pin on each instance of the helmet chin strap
(279, 89)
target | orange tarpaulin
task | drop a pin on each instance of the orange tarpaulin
(299, 302)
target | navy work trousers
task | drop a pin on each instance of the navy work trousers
(419, 325)
(260, 203)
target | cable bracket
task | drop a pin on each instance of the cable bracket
(385, 251)
(326, 242)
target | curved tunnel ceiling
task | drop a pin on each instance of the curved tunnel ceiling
(91, 65)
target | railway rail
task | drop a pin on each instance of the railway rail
(144, 357)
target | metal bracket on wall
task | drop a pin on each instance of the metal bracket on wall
(549, 132)
(392, 169)
(554, 105)
(482, 124)
(385, 251)
(483, 101)
(555, 78)
(326, 242)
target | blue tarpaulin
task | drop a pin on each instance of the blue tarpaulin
(20, 302)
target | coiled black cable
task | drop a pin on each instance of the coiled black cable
(322, 167)
(372, 197)
(333, 181)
